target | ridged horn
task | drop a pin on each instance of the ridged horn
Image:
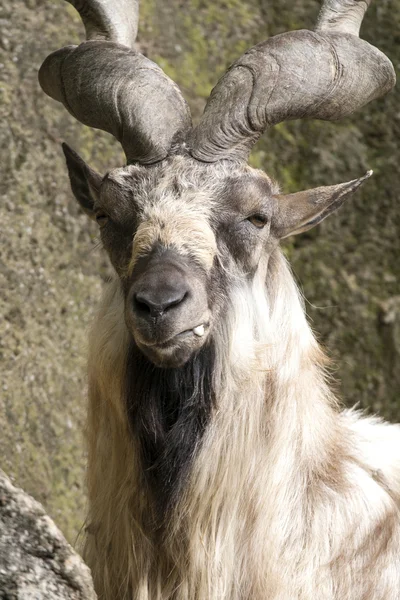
(108, 20)
(326, 74)
(104, 83)
(343, 16)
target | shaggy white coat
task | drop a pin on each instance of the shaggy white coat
(288, 497)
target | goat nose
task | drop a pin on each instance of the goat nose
(155, 302)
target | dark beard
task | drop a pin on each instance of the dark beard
(169, 410)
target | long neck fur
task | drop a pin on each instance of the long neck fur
(269, 468)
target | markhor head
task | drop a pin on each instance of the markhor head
(187, 219)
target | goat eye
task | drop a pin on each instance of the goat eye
(258, 221)
(101, 219)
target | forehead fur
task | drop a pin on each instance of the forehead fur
(176, 201)
(246, 192)
(182, 224)
(180, 173)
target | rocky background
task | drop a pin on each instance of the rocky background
(51, 267)
(36, 563)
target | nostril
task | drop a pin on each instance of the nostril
(140, 304)
(175, 302)
(156, 303)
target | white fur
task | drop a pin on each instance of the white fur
(288, 498)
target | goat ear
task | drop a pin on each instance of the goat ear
(85, 182)
(301, 211)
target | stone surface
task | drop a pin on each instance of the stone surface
(36, 562)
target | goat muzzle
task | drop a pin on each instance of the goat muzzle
(167, 307)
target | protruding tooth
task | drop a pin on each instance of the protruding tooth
(199, 330)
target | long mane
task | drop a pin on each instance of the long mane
(245, 457)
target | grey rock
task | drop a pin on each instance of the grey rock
(36, 562)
